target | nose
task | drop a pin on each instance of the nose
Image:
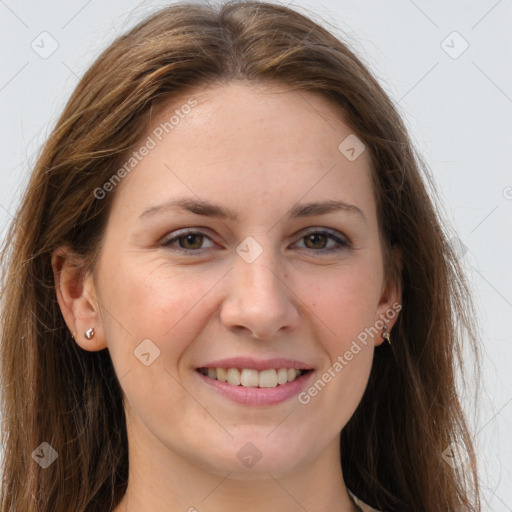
(259, 301)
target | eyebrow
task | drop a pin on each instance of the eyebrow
(207, 209)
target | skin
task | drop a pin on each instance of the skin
(257, 150)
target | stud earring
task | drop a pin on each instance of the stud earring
(386, 335)
(89, 334)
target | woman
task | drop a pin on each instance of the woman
(226, 286)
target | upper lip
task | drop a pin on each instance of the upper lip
(257, 364)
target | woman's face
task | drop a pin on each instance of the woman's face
(266, 276)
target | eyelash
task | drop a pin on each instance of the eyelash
(342, 244)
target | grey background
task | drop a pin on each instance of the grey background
(458, 109)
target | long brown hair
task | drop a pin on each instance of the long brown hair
(53, 391)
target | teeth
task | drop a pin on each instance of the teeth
(251, 378)
(221, 374)
(268, 379)
(282, 376)
(291, 374)
(234, 376)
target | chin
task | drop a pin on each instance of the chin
(253, 458)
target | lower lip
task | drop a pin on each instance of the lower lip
(258, 396)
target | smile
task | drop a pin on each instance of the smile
(251, 387)
(251, 378)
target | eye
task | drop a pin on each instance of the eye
(318, 242)
(187, 241)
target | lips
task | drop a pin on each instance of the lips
(255, 382)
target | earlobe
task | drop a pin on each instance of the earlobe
(77, 299)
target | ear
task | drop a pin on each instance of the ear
(390, 302)
(76, 296)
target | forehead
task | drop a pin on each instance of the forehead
(244, 141)
(254, 112)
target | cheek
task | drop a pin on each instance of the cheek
(160, 311)
(343, 306)
(164, 303)
(343, 300)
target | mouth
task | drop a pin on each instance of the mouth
(252, 378)
(252, 387)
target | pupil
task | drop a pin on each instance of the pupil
(190, 239)
(316, 238)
